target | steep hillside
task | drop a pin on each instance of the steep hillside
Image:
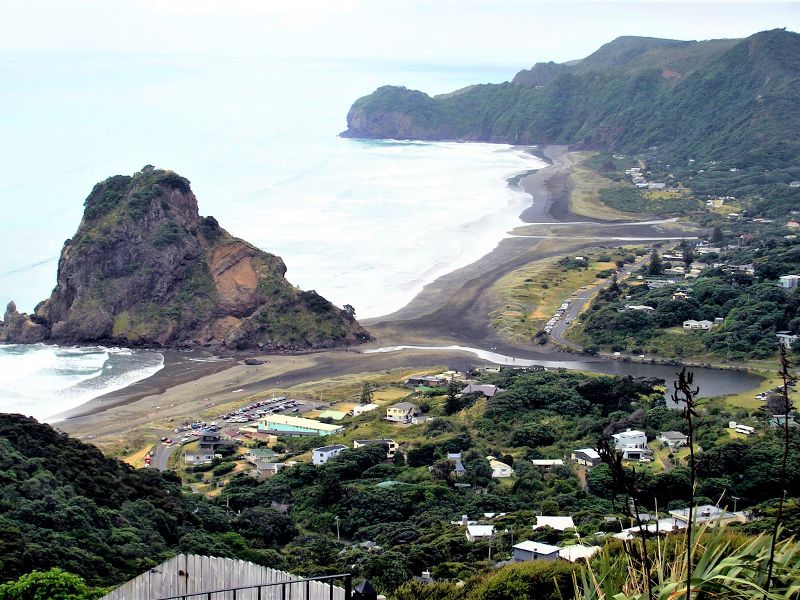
(145, 268)
(720, 99)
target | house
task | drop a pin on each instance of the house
(480, 533)
(402, 412)
(692, 325)
(296, 426)
(265, 470)
(680, 295)
(547, 463)
(632, 444)
(263, 454)
(660, 527)
(673, 439)
(578, 552)
(706, 514)
(319, 456)
(557, 523)
(487, 390)
(794, 184)
(432, 381)
(748, 269)
(455, 458)
(500, 469)
(792, 224)
(789, 282)
(786, 339)
(360, 409)
(531, 550)
(391, 445)
(203, 457)
(209, 439)
(588, 457)
(779, 420)
(643, 307)
(741, 428)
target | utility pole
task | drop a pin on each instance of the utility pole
(735, 500)
(337, 527)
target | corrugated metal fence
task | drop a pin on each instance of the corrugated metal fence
(188, 574)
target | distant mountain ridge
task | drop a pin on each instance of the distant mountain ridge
(144, 268)
(724, 99)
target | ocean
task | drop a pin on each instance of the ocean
(366, 223)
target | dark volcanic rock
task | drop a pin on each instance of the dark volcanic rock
(145, 268)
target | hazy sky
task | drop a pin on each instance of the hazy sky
(516, 32)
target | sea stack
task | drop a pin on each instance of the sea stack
(144, 268)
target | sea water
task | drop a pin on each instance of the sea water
(42, 381)
(365, 223)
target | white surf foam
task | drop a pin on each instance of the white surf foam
(43, 381)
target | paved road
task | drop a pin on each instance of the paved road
(162, 454)
(576, 304)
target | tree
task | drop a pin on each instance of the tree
(54, 584)
(716, 234)
(351, 312)
(366, 393)
(453, 403)
(442, 470)
(478, 472)
(655, 267)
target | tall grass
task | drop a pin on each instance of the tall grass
(724, 567)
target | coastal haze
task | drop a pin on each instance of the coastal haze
(259, 143)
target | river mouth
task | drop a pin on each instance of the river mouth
(713, 383)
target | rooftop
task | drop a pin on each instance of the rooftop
(299, 422)
(537, 547)
(331, 448)
(558, 523)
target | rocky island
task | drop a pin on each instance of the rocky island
(145, 269)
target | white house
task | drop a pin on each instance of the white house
(546, 463)
(789, 282)
(578, 552)
(740, 428)
(786, 339)
(479, 533)
(531, 550)
(199, 458)
(402, 412)
(390, 445)
(692, 325)
(706, 513)
(499, 469)
(631, 443)
(360, 409)
(557, 523)
(319, 456)
(673, 439)
(588, 457)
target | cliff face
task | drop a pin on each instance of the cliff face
(144, 268)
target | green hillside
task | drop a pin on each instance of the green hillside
(724, 100)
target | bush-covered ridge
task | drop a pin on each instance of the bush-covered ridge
(722, 99)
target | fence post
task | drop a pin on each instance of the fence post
(348, 587)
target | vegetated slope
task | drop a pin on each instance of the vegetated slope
(720, 99)
(63, 504)
(145, 268)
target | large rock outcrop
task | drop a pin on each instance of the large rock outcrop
(144, 268)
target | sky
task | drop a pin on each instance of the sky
(513, 32)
